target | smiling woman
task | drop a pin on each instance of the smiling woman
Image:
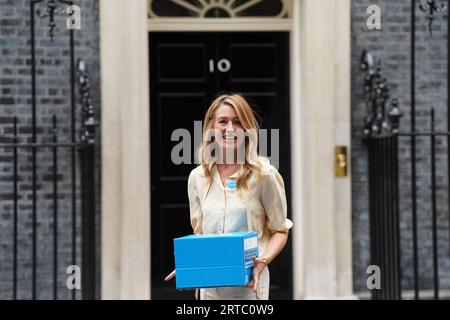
(228, 196)
(231, 120)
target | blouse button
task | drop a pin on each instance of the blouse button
(231, 185)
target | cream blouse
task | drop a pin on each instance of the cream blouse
(215, 208)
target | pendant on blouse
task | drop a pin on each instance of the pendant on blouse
(231, 185)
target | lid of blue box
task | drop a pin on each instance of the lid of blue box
(242, 234)
(208, 250)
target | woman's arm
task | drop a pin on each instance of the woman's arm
(170, 275)
(276, 243)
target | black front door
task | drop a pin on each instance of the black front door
(187, 70)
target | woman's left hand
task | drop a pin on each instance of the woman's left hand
(259, 265)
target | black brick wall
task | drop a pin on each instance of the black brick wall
(392, 44)
(52, 98)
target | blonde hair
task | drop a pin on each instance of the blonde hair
(247, 118)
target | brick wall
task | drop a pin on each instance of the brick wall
(392, 44)
(52, 98)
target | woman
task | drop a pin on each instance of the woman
(234, 189)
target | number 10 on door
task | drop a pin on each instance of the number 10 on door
(223, 65)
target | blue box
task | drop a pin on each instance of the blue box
(215, 260)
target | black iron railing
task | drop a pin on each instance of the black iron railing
(384, 215)
(79, 150)
(384, 136)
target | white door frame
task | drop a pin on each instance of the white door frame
(256, 25)
(321, 203)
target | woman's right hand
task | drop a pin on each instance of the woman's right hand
(170, 275)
